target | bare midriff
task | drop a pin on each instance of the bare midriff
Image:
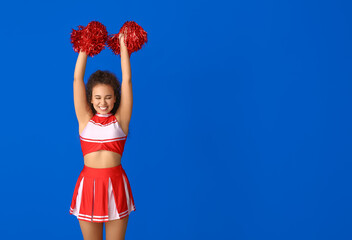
(102, 159)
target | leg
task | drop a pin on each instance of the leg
(91, 230)
(116, 229)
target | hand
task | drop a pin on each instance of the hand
(121, 38)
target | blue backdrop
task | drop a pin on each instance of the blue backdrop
(241, 124)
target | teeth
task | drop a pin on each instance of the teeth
(102, 108)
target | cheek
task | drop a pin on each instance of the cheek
(96, 102)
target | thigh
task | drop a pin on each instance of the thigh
(116, 229)
(91, 230)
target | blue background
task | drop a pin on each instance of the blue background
(241, 124)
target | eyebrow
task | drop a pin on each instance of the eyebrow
(99, 95)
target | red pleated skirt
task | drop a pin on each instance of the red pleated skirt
(102, 194)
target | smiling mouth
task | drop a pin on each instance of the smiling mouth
(103, 108)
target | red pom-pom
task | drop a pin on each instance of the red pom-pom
(90, 39)
(134, 38)
(76, 38)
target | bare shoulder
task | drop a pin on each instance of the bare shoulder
(117, 116)
(123, 125)
(84, 121)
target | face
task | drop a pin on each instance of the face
(103, 98)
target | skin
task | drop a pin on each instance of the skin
(103, 95)
(114, 230)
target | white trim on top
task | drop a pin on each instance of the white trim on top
(104, 115)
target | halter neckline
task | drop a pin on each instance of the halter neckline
(103, 115)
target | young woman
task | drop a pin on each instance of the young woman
(102, 193)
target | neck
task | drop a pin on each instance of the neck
(103, 114)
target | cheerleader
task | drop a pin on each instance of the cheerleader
(103, 193)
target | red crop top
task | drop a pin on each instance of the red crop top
(103, 132)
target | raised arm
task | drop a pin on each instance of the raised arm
(124, 111)
(82, 108)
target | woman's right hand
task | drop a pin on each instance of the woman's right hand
(82, 53)
(121, 38)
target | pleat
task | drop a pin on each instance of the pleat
(130, 200)
(87, 201)
(100, 208)
(76, 198)
(113, 214)
(118, 189)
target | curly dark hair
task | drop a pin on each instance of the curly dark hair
(103, 77)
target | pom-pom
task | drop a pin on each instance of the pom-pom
(90, 39)
(134, 38)
(76, 38)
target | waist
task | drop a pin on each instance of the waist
(102, 159)
(102, 172)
